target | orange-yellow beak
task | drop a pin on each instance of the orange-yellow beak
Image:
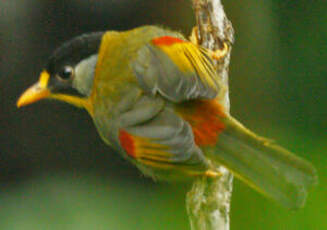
(36, 92)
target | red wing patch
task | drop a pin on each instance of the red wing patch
(127, 143)
(166, 40)
(204, 118)
(143, 148)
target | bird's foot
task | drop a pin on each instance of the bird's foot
(212, 174)
(194, 38)
(217, 54)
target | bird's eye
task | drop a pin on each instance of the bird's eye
(66, 73)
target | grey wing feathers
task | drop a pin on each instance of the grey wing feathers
(166, 137)
(157, 73)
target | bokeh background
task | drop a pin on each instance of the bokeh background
(55, 172)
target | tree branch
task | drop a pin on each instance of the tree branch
(208, 202)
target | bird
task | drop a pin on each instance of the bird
(155, 97)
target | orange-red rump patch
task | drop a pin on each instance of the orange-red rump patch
(204, 118)
(127, 142)
(166, 40)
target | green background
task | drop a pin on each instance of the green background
(55, 172)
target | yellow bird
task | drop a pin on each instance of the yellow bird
(155, 97)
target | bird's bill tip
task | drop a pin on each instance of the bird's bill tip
(36, 92)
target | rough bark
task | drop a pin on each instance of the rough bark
(208, 202)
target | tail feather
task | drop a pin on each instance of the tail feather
(264, 165)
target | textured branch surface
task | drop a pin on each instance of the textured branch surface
(208, 202)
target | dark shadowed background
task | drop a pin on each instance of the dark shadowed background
(55, 172)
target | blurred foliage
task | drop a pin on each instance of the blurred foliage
(55, 172)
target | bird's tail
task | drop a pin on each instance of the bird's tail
(262, 164)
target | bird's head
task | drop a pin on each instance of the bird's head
(68, 75)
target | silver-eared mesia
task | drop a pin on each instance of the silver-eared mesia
(156, 99)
